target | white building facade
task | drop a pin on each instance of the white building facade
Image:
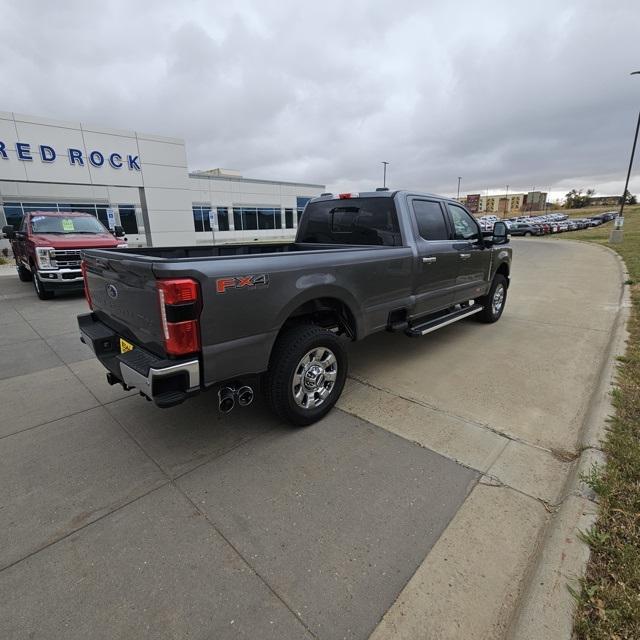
(140, 182)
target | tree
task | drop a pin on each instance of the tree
(629, 198)
(577, 200)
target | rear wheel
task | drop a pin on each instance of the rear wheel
(528, 234)
(40, 291)
(493, 303)
(306, 375)
(24, 274)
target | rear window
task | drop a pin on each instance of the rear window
(353, 221)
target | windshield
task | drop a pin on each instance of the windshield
(351, 221)
(61, 225)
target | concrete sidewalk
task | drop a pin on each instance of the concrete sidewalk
(415, 510)
(512, 407)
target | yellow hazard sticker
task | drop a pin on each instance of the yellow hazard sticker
(67, 224)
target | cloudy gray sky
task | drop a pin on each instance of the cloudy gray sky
(530, 94)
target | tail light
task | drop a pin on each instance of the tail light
(87, 294)
(179, 311)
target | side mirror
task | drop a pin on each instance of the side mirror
(9, 231)
(118, 231)
(500, 233)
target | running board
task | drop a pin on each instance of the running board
(418, 330)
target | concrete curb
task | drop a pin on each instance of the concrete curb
(545, 607)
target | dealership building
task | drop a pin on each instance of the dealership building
(139, 181)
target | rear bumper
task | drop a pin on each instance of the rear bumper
(166, 382)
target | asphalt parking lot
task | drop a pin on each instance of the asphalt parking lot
(121, 520)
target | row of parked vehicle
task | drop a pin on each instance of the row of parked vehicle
(545, 224)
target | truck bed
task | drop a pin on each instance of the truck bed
(208, 252)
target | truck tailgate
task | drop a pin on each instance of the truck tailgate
(124, 296)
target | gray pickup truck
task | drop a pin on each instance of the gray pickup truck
(175, 321)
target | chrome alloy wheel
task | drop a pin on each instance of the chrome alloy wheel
(314, 378)
(498, 300)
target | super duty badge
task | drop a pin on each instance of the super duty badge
(241, 282)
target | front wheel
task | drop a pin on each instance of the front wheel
(40, 290)
(493, 303)
(306, 375)
(24, 274)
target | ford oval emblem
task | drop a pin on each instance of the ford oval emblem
(112, 292)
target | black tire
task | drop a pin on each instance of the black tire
(488, 313)
(290, 348)
(527, 234)
(24, 274)
(40, 291)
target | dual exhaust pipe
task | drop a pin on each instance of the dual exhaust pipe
(228, 396)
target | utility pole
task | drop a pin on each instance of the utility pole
(458, 198)
(616, 233)
(506, 204)
(384, 174)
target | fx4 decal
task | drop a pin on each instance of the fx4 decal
(241, 282)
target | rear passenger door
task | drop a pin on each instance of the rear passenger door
(437, 260)
(473, 258)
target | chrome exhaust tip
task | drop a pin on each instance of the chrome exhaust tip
(226, 399)
(245, 396)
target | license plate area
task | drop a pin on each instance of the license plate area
(125, 346)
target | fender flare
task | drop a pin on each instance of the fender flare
(323, 291)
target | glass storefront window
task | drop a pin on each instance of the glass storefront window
(13, 213)
(128, 218)
(266, 218)
(254, 218)
(288, 218)
(201, 221)
(223, 219)
(15, 210)
(249, 219)
(237, 218)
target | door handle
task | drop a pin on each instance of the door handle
(429, 260)
(465, 256)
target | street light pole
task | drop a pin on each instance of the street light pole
(384, 174)
(616, 232)
(458, 198)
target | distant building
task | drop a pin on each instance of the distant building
(604, 201)
(506, 204)
(501, 204)
(535, 201)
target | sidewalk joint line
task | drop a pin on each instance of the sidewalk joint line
(84, 526)
(173, 483)
(556, 453)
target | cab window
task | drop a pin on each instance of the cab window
(464, 226)
(430, 220)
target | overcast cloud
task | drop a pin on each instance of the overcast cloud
(534, 94)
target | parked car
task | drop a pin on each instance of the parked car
(48, 244)
(524, 229)
(175, 321)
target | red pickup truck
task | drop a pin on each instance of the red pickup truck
(47, 248)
